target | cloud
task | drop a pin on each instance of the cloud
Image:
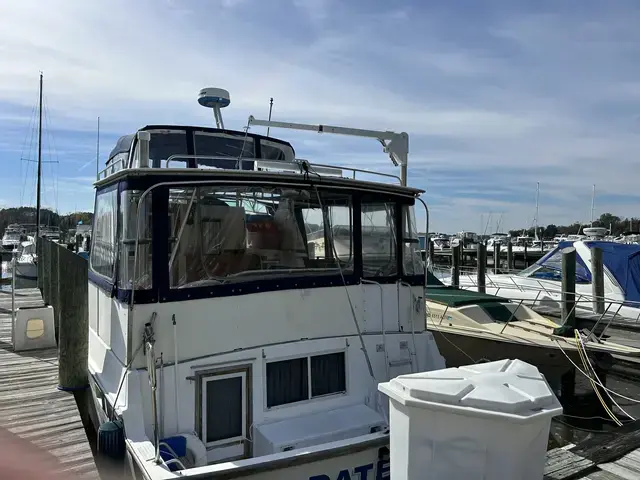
(495, 98)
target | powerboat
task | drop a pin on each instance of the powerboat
(13, 235)
(470, 327)
(540, 284)
(245, 304)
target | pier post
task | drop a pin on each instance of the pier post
(73, 320)
(481, 267)
(510, 265)
(455, 266)
(431, 251)
(46, 270)
(496, 258)
(569, 287)
(39, 266)
(55, 278)
(597, 280)
(526, 257)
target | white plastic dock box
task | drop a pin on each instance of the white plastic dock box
(34, 329)
(488, 421)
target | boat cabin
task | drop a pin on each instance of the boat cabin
(268, 296)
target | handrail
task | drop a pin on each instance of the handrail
(112, 167)
(354, 170)
(239, 161)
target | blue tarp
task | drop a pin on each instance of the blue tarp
(623, 262)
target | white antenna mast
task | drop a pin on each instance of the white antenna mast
(535, 223)
(593, 202)
(216, 99)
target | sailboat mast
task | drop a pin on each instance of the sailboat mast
(537, 205)
(39, 164)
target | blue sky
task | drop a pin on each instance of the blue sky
(495, 95)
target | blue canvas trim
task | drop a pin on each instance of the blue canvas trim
(106, 189)
(256, 286)
(141, 296)
(104, 284)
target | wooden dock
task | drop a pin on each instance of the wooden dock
(607, 456)
(32, 407)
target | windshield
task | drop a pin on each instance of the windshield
(222, 234)
(550, 268)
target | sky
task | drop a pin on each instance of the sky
(495, 95)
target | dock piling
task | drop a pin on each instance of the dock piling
(597, 281)
(569, 287)
(72, 315)
(510, 265)
(432, 257)
(455, 266)
(496, 258)
(481, 259)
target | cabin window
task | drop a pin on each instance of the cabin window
(130, 222)
(221, 235)
(103, 248)
(411, 256)
(166, 143)
(379, 241)
(216, 144)
(224, 408)
(330, 233)
(299, 379)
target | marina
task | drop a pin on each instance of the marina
(380, 253)
(144, 406)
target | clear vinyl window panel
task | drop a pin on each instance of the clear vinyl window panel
(300, 379)
(220, 235)
(379, 241)
(103, 245)
(411, 254)
(140, 228)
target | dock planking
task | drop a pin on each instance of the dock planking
(32, 407)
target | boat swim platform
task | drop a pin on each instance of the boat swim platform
(32, 407)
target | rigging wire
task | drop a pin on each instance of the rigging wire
(24, 145)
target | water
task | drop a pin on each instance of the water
(585, 418)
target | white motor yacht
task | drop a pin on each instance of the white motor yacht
(244, 305)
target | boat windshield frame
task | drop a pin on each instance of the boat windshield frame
(152, 191)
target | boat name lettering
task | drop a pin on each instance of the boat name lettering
(370, 471)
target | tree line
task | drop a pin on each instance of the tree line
(27, 215)
(617, 225)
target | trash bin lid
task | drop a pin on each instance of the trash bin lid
(510, 387)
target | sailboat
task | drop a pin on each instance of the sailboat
(26, 263)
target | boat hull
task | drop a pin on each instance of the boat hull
(27, 271)
(551, 362)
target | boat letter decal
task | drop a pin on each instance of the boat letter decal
(363, 472)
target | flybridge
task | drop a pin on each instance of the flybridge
(174, 146)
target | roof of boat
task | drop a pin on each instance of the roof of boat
(125, 142)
